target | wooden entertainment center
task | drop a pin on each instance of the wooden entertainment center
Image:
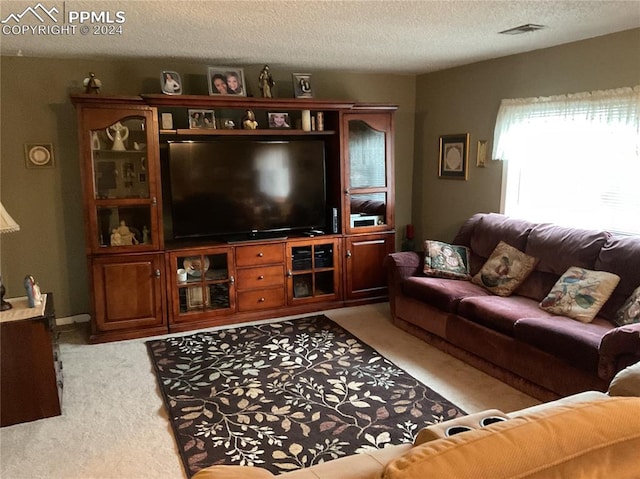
(134, 261)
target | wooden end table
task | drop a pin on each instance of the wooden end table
(30, 365)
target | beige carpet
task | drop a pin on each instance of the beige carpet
(114, 425)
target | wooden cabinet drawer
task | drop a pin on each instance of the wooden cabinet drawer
(262, 277)
(255, 255)
(260, 299)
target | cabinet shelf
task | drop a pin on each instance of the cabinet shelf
(261, 132)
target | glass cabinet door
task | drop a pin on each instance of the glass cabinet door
(203, 282)
(121, 178)
(368, 149)
(312, 270)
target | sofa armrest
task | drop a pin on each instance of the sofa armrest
(233, 472)
(404, 264)
(400, 266)
(619, 348)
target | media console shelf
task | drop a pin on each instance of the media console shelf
(134, 260)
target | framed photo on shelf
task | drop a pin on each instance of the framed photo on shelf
(195, 298)
(453, 160)
(170, 83)
(226, 81)
(279, 120)
(202, 119)
(302, 85)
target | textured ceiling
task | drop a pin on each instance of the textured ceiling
(398, 36)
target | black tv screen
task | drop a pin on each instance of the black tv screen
(232, 187)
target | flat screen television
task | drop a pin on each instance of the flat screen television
(240, 188)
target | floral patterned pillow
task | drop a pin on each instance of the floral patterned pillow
(505, 270)
(630, 311)
(580, 293)
(444, 260)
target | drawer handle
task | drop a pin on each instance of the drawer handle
(260, 254)
(232, 280)
(261, 276)
(261, 300)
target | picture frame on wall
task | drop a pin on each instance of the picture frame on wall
(481, 155)
(39, 155)
(453, 162)
(226, 81)
(279, 120)
(302, 87)
(170, 82)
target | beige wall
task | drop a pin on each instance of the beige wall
(35, 107)
(466, 100)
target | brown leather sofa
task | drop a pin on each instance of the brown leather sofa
(511, 338)
(592, 435)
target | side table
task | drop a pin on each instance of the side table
(30, 365)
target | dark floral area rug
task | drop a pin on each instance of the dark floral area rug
(286, 395)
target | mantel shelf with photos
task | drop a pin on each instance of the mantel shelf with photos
(258, 132)
(229, 101)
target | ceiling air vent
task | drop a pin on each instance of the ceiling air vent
(529, 27)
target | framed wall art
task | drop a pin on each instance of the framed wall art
(302, 85)
(453, 160)
(38, 155)
(226, 81)
(481, 156)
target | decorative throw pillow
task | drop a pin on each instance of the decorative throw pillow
(444, 260)
(630, 311)
(505, 270)
(580, 293)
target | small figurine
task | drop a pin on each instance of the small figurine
(123, 236)
(266, 82)
(249, 121)
(92, 84)
(34, 297)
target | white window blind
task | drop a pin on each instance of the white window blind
(573, 159)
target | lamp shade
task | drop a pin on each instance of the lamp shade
(7, 223)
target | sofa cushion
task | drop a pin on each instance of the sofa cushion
(626, 382)
(629, 312)
(441, 292)
(558, 248)
(621, 256)
(597, 439)
(505, 269)
(576, 342)
(489, 230)
(443, 260)
(499, 313)
(580, 293)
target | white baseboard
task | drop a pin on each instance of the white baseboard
(78, 318)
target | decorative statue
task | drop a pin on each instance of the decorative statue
(266, 82)
(120, 134)
(92, 84)
(249, 121)
(122, 236)
(34, 297)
